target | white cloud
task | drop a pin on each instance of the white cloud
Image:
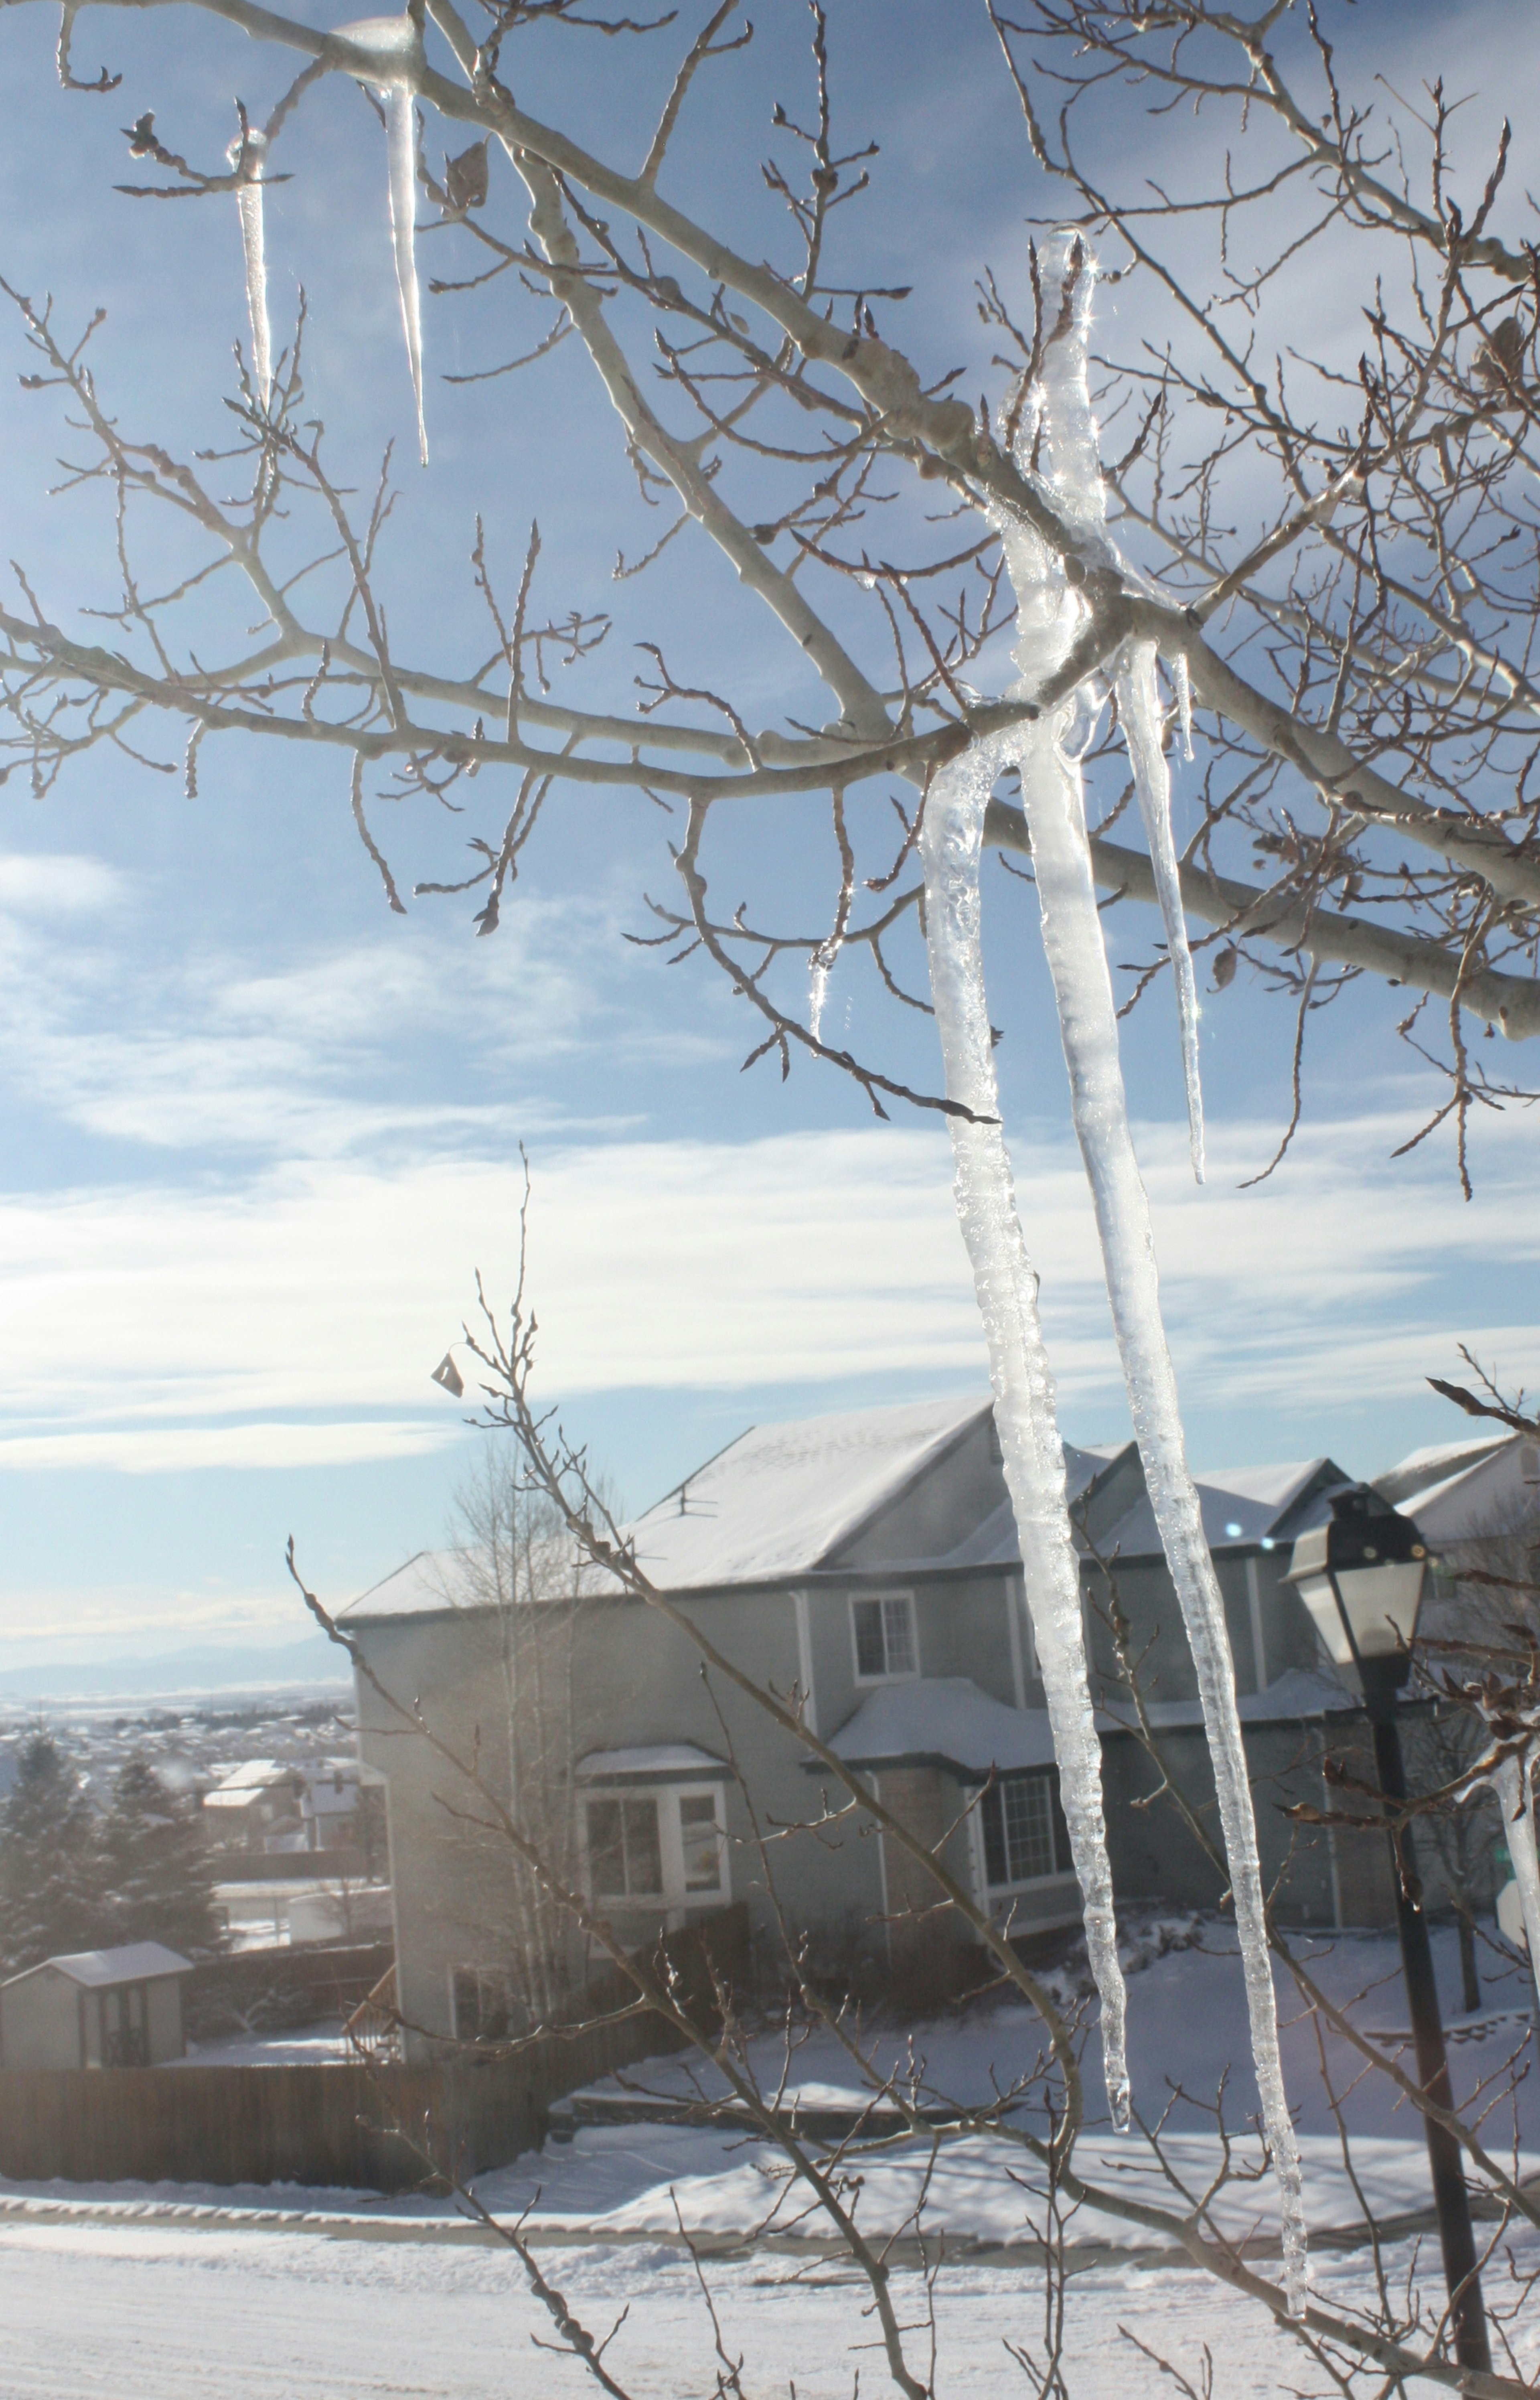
(268, 1326)
(57, 884)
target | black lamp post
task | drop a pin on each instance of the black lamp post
(1361, 1577)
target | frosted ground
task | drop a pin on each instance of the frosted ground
(262, 2295)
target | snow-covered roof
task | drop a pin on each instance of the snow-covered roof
(665, 1758)
(1243, 1507)
(429, 1584)
(1421, 1469)
(942, 1721)
(1460, 1491)
(1301, 1694)
(133, 1962)
(256, 1776)
(783, 1498)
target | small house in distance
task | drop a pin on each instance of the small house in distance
(96, 2007)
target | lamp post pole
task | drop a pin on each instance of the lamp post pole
(1382, 1679)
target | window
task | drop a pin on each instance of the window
(1024, 1835)
(700, 1841)
(624, 1854)
(483, 2005)
(663, 1847)
(884, 1638)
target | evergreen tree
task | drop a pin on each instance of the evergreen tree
(157, 1875)
(51, 1861)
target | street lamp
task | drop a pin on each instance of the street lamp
(1361, 1577)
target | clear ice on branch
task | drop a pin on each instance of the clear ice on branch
(395, 64)
(1056, 445)
(253, 242)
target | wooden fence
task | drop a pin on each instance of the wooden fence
(354, 2126)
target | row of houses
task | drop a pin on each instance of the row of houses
(868, 1564)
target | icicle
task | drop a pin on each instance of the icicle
(1512, 1780)
(248, 201)
(1139, 711)
(1020, 1372)
(395, 45)
(818, 991)
(1048, 617)
(400, 101)
(1183, 682)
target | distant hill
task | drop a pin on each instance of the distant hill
(207, 1668)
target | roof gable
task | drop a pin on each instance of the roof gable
(133, 1962)
(786, 1500)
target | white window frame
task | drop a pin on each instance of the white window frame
(671, 1845)
(486, 1972)
(905, 1675)
(990, 1895)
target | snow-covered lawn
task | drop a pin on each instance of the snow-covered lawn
(147, 2293)
(154, 2312)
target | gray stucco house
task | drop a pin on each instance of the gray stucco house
(867, 1563)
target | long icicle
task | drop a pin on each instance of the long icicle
(1024, 1413)
(1140, 714)
(1512, 1780)
(400, 102)
(396, 62)
(249, 200)
(1048, 616)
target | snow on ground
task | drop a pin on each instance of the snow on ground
(157, 2314)
(147, 2293)
(312, 2045)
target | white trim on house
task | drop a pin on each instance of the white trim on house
(1014, 1598)
(1254, 1603)
(885, 1600)
(676, 1894)
(804, 1662)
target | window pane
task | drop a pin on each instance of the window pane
(898, 1625)
(607, 1863)
(871, 1653)
(643, 1860)
(1028, 1827)
(699, 1841)
(994, 1837)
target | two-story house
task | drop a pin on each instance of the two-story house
(868, 1564)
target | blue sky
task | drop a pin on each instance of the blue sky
(259, 1133)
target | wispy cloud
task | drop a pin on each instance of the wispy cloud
(419, 1037)
(296, 1319)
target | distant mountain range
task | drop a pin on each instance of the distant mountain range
(206, 1669)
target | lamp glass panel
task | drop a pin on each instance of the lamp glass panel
(1381, 1604)
(1318, 1595)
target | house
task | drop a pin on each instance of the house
(268, 1809)
(867, 1563)
(96, 2007)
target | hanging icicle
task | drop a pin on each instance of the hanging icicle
(1024, 1413)
(395, 67)
(1049, 614)
(1143, 731)
(249, 151)
(1512, 1780)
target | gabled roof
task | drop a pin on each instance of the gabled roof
(1460, 1491)
(783, 1499)
(133, 1962)
(1242, 1507)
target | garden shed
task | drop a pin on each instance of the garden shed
(96, 2007)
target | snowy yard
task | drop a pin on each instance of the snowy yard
(226, 2294)
(152, 2313)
